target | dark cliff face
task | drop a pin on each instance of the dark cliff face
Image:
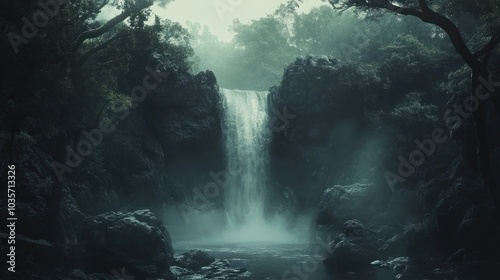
(329, 100)
(172, 140)
(348, 131)
(184, 116)
(168, 142)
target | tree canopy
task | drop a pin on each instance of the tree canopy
(94, 60)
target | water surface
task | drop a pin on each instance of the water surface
(275, 260)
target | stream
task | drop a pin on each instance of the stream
(275, 260)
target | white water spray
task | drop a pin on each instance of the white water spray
(245, 127)
(246, 131)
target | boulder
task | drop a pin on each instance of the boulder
(200, 257)
(137, 241)
(194, 260)
(353, 250)
(196, 264)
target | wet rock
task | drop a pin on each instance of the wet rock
(409, 268)
(398, 263)
(179, 271)
(342, 203)
(188, 267)
(354, 250)
(392, 247)
(194, 260)
(200, 257)
(416, 240)
(187, 263)
(137, 241)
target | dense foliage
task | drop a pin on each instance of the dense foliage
(76, 63)
(356, 86)
(262, 48)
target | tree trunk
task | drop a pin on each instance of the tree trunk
(483, 149)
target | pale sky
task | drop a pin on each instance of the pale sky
(218, 15)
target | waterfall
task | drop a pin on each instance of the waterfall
(245, 125)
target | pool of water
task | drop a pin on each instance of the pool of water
(274, 260)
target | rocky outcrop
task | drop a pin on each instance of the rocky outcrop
(133, 156)
(354, 249)
(147, 160)
(219, 269)
(137, 241)
(341, 203)
(183, 113)
(328, 100)
(196, 264)
(110, 246)
(194, 260)
(347, 131)
(323, 85)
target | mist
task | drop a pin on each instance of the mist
(227, 139)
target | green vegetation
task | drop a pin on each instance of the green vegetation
(74, 66)
(261, 49)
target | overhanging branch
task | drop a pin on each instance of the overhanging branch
(489, 47)
(94, 33)
(423, 5)
(94, 50)
(448, 26)
(107, 62)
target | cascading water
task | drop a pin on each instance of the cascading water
(245, 127)
(246, 130)
(269, 248)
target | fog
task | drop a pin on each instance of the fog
(218, 15)
(250, 139)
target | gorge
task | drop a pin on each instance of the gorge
(345, 141)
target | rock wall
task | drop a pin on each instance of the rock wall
(345, 137)
(152, 158)
(328, 137)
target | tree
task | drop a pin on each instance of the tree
(136, 10)
(320, 31)
(51, 91)
(439, 14)
(266, 47)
